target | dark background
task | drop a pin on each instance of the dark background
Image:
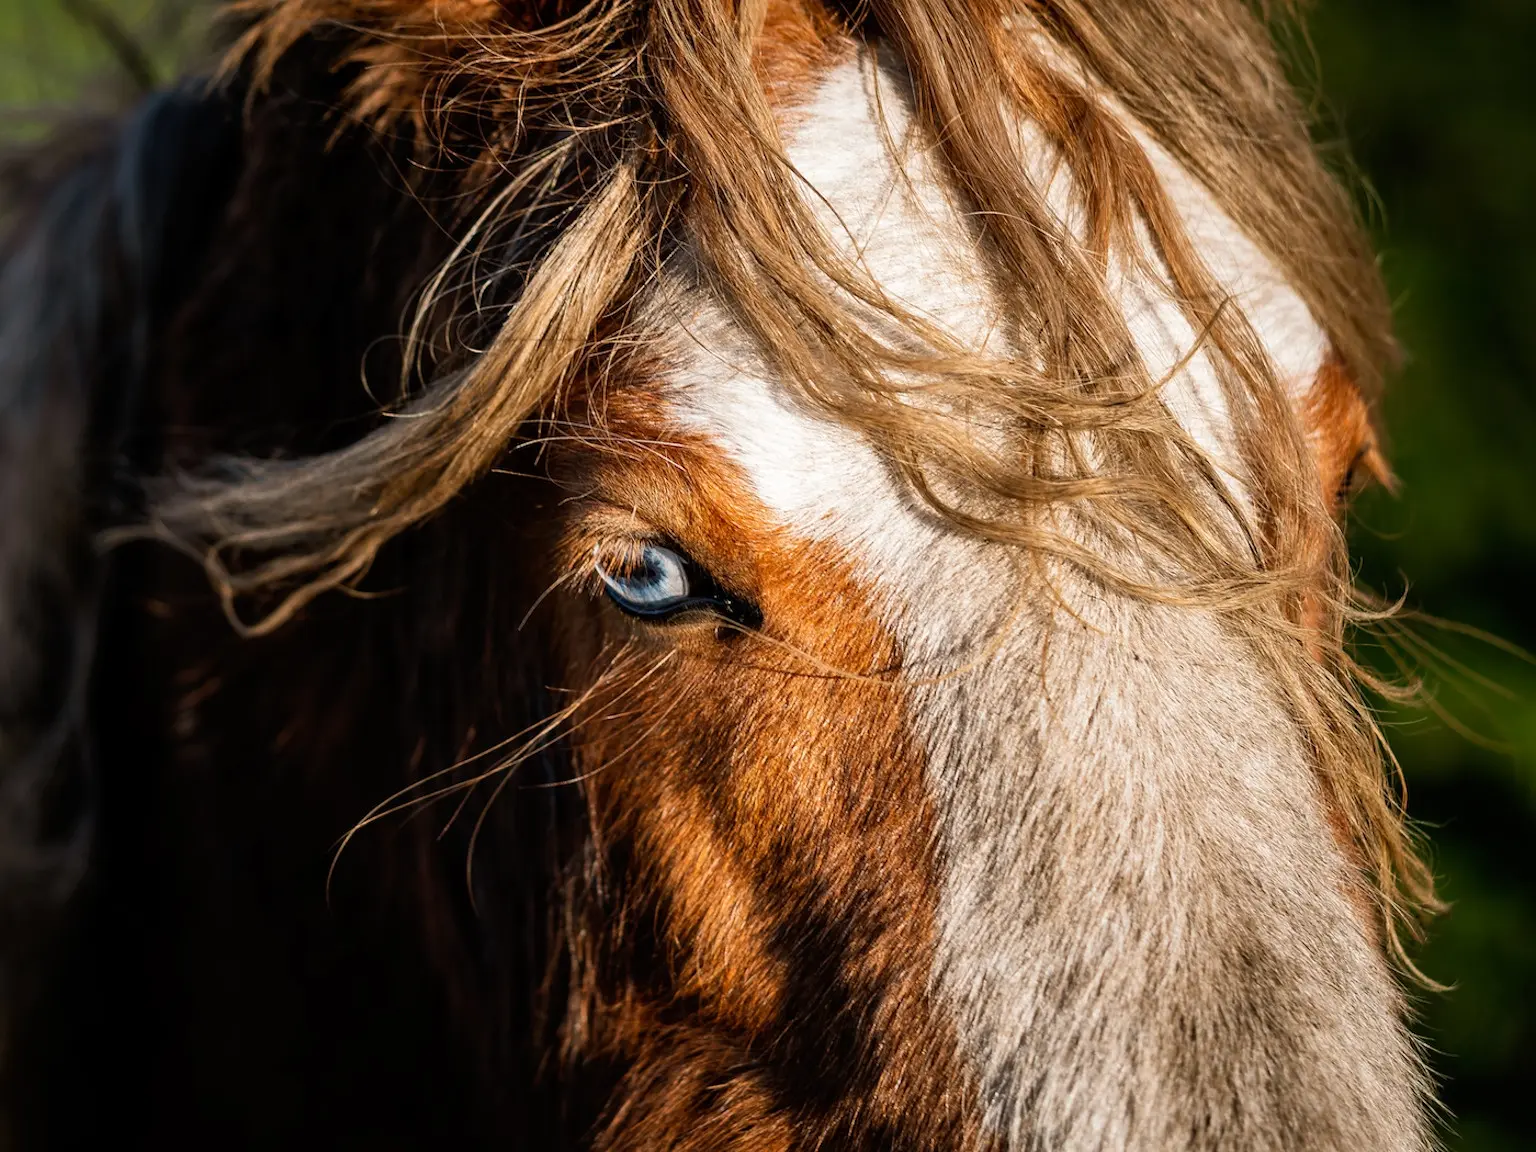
(1437, 104)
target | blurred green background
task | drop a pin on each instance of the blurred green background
(1437, 103)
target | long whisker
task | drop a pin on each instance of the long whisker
(628, 748)
(508, 773)
(402, 800)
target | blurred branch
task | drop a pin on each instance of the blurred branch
(92, 14)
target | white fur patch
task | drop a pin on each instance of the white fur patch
(1135, 871)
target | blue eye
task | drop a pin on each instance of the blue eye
(656, 583)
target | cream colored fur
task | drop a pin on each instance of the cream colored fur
(1144, 938)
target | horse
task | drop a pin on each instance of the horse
(697, 574)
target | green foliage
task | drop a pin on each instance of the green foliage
(1438, 103)
(57, 54)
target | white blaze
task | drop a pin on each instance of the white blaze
(1128, 830)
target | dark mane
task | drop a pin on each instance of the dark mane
(165, 884)
(91, 266)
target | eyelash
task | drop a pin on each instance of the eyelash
(1347, 485)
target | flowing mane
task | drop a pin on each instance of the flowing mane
(1011, 486)
(628, 122)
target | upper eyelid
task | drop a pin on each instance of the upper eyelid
(663, 541)
(603, 520)
(613, 519)
(595, 556)
(596, 531)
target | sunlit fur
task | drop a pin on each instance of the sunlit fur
(1043, 811)
(615, 100)
(1114, 781)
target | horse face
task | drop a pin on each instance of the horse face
(934, 845)
(885, 836)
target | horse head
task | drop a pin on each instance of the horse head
(847, 644)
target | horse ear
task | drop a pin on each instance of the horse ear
(102, 227)
(1337, 423)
